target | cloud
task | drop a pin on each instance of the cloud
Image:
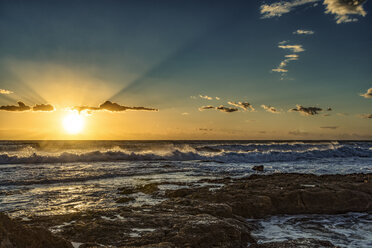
(279, 70)
(304, 32)
(5, 92)
(14, 108)
(217, 98)
(279, 8)
(306, 110)
(329, 127)
(43, 107)
(220, 108)
(185, 113)
(368, 94)
(23, 107)
(288, 57)
(113, 107)
(342, 9)
(205, 129)
(202, 108)
(226, 109)
(242, 105)
(206, 97)
(270, 109)
(366, 116)
(293, 48)
(292, 56)
(284, 63)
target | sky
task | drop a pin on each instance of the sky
(291, 69)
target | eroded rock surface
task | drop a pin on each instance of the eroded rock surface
(16, 235)
(201, 217)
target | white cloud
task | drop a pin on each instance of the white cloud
(304, 32)
(206, 97)
(342, 9)
(284, 63)
(292, 56)
(293, 48)
(5, 92)
(280, 70)
(368, 94)
(282, 7)
(270, 109)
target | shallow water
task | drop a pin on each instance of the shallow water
(352, 230)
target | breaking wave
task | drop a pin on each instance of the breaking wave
(226, 153)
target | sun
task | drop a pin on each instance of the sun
(73, 123)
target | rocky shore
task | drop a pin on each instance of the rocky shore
(197, 216)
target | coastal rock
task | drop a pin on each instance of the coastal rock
(147, 189)
(16, 235)
(262, 195)
(200, 217)
(258, 168)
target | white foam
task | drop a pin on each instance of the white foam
(76, 244)
(59, 228)
(348, 230)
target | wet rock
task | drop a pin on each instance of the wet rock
(125, 199)
(198, 217)
(147, 189)
(258, 168)
(126, 191)
(16, 235)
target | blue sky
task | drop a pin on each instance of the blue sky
(165, 54)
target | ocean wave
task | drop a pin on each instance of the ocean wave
(176, 154)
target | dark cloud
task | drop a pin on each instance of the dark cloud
(329, 127)
(43, 107)
(226, 109)
(306, 110)
(368, 94)
(242, 105)
(366, 116)
(206, 107)
(220, 108)
(14, 108)
(111, 106)
(206, 129)
(23, 107)
(329, 109)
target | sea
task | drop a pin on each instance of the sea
(60, 177)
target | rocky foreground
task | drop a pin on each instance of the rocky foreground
(197, 217)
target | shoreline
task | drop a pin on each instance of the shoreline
(205, 216)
